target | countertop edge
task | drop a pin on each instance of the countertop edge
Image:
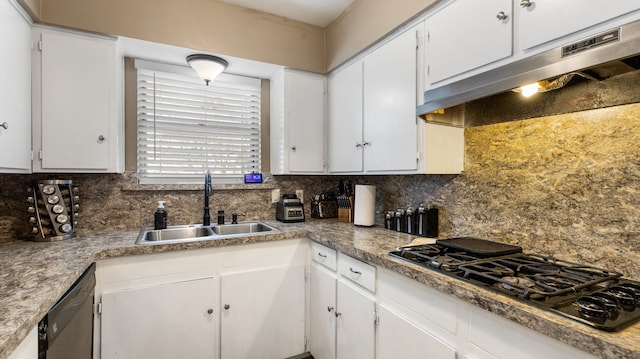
(121, 243)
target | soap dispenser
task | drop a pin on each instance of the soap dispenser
(160, 217)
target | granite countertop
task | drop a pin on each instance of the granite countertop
(35, 275)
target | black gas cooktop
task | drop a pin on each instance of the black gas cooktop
(590, 295)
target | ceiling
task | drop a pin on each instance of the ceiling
(315, 12)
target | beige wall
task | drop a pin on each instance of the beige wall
(365, 22)
(226, 29)
(32, 7)
(206, 25)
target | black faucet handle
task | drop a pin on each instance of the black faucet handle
(234, 217)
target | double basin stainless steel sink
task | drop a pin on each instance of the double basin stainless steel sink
(176, 234)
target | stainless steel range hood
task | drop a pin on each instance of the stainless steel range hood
(616, 44)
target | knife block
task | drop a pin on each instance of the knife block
(345, 209)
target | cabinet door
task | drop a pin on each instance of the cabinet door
(399, 338)
(322, 308)
(355, 326)
(345, 120)
(263, 313)
(465, 35)
(15, 92)
(78, 102)
(566, 17)
(28, 348)
(390, 127)
(175, 320)
(305, 109)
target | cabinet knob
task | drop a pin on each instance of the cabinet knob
(338, 314)
(329, 309)
(365, 143)
(227, 306)
(501, 16)
(525, 3)
(210, 311)
(294, 148)
(5, 125)
(101, 138)
(358, 145)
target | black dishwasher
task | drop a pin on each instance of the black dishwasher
(67, 329)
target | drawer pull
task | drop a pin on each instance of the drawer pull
(354, 271)
(320, 254)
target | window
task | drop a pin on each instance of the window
(186, 128)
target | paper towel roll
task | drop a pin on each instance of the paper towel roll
(365, 206)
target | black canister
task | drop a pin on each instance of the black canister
(389, 222)
(426, 221)
(421, 220)
(408, 219)
(400, 220)
(432, 222)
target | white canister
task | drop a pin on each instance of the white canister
(365, 206)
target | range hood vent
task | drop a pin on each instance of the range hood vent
(616, 44)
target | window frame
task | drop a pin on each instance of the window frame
(182, 73)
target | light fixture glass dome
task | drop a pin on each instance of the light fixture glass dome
(208, 67)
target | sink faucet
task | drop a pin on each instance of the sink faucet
(208, 191)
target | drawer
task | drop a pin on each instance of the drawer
(323, 255)
(357, 271)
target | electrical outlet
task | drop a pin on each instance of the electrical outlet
(275, 195)
(300, 194)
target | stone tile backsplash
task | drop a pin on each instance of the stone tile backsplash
(566, 185)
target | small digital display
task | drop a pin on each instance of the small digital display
(253, 178)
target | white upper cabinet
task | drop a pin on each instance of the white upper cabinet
(372, 121)
(541, 21)
(77, 112)
(466, 37)
(345, 120)
(390, 76)
(15, 92)
(298, 123)
(467, 34)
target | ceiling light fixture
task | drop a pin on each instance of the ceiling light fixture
(208, 67)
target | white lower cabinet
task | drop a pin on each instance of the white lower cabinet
(263, 313)
(416, 321)
(398, 337)
(171, 320)
(356, 314)
(230, 302)
(342, 306)
(322, 318)
(28, 348)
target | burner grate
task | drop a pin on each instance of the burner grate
(590, 295)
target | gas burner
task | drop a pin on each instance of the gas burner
(555, 281)
(624, 295)
(423, 249)
(449, 262)
(590, 295)
(515, 284)
(487, 270)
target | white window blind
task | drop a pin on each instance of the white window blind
(186, 128)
